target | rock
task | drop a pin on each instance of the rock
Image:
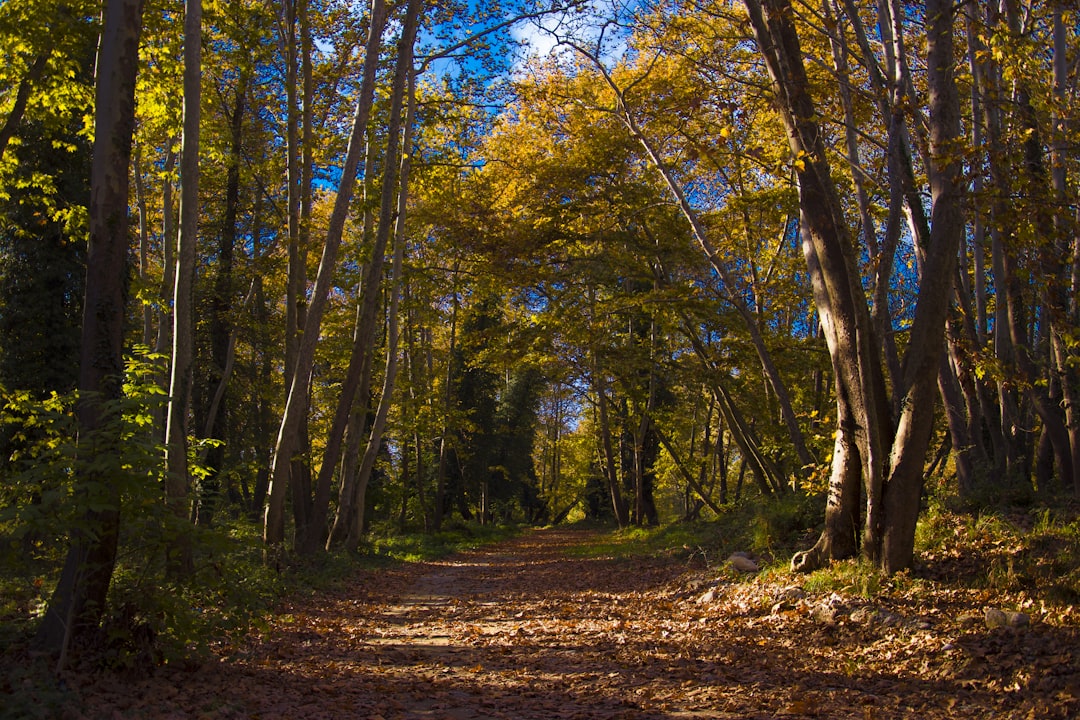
(1017, 620)
(824, 614)
(742, 563)
(864, 615)
(995, 618)
(792, 594)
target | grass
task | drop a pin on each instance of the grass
(421, 547)
(1028, 548)
(1034, 549)
(771, 530)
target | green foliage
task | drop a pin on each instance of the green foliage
(1006, 548)
(421, 547)
(771, 528)
(850, 577)
(43, 228)
(778, 526)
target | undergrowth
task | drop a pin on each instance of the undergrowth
(152, 622)
(420, 547)
(770, 530)
(1030, 547)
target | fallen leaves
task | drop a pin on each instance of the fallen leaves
(525, 630)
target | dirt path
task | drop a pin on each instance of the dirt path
(524, 630)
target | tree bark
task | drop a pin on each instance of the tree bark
(360, 361)
(288, 437)
(392, 189)
(890, 465)
(922, 361)
(77, 604)
(177, 477)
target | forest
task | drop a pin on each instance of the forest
(283, 280)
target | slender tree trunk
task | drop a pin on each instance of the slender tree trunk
(701, 236)
(77, 603)
(355, 391)
(144, 247)
(222, 327)
(288, 437)
(177, 477)
(691, 481)
(357, 376)
(163, 342)
(22, 96)
(395, 185)
(1068, 244)
(610, 467)
(444, 448)
(764, 471)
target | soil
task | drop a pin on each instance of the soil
(528, 629)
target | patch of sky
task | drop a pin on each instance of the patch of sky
(601, 28)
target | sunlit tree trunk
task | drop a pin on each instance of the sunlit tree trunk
(881, 255)
(355, 392)
(163, 339)
(923, 357)
(395, 186)
(176, 430)
(764, 470)
(289, 436)
(890, 465)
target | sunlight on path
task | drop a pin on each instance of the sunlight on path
(527, 630)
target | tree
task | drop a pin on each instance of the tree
(177, 480)
(887, 458)
(77, 603)
(296, 400)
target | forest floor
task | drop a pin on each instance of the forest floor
(536, 627)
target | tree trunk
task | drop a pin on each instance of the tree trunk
(222, 327)
(144, 247)
(890, 465)
(404, 85)
(22, 96)
(922, 361)
(358, 374)
(163, 341)
(288, 437)
(177, 478)
(77, 603)
(610, 468)
(444, 448)
(1069, 245)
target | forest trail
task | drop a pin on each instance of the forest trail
(526, 629)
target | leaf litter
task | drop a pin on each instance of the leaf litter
(524, 629)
